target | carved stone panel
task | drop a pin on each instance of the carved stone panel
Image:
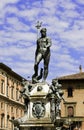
(38, 109)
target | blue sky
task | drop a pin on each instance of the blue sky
(64, 20)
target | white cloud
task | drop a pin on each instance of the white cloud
(13, 36)
(74, 39)
(11, 9)
(3, 3)
(66, 4)
(29, 36)
(80, 1)
(30, 14)
(73, 34)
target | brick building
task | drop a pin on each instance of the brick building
(73, 107)
(10, 106)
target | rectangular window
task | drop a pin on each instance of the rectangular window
(12, 92)
(17, 94)
(7, 90)
(70, 92)
(12, 109)
(17, 112)
(2, 105)
(2, 86)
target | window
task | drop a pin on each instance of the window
(2, 105)
(7, 88)
(12, 126)
(70, 111)
(12, 109)
(17, 94)
(2, 120)
(17, 111)
(7, 121)
(2, 86)
(12, 118)
(12, 91)
(8, 109)
(70, 92)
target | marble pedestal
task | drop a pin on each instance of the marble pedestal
(38, 115)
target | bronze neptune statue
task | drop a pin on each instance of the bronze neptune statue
(42, 52)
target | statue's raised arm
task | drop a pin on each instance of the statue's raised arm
(42, 52)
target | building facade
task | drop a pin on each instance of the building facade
(10, 105)
(73, 107)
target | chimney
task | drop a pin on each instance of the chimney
(80, 68)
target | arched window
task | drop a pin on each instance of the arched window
(8, 121)
(12, 126)
(70, 111)
(2, 120)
